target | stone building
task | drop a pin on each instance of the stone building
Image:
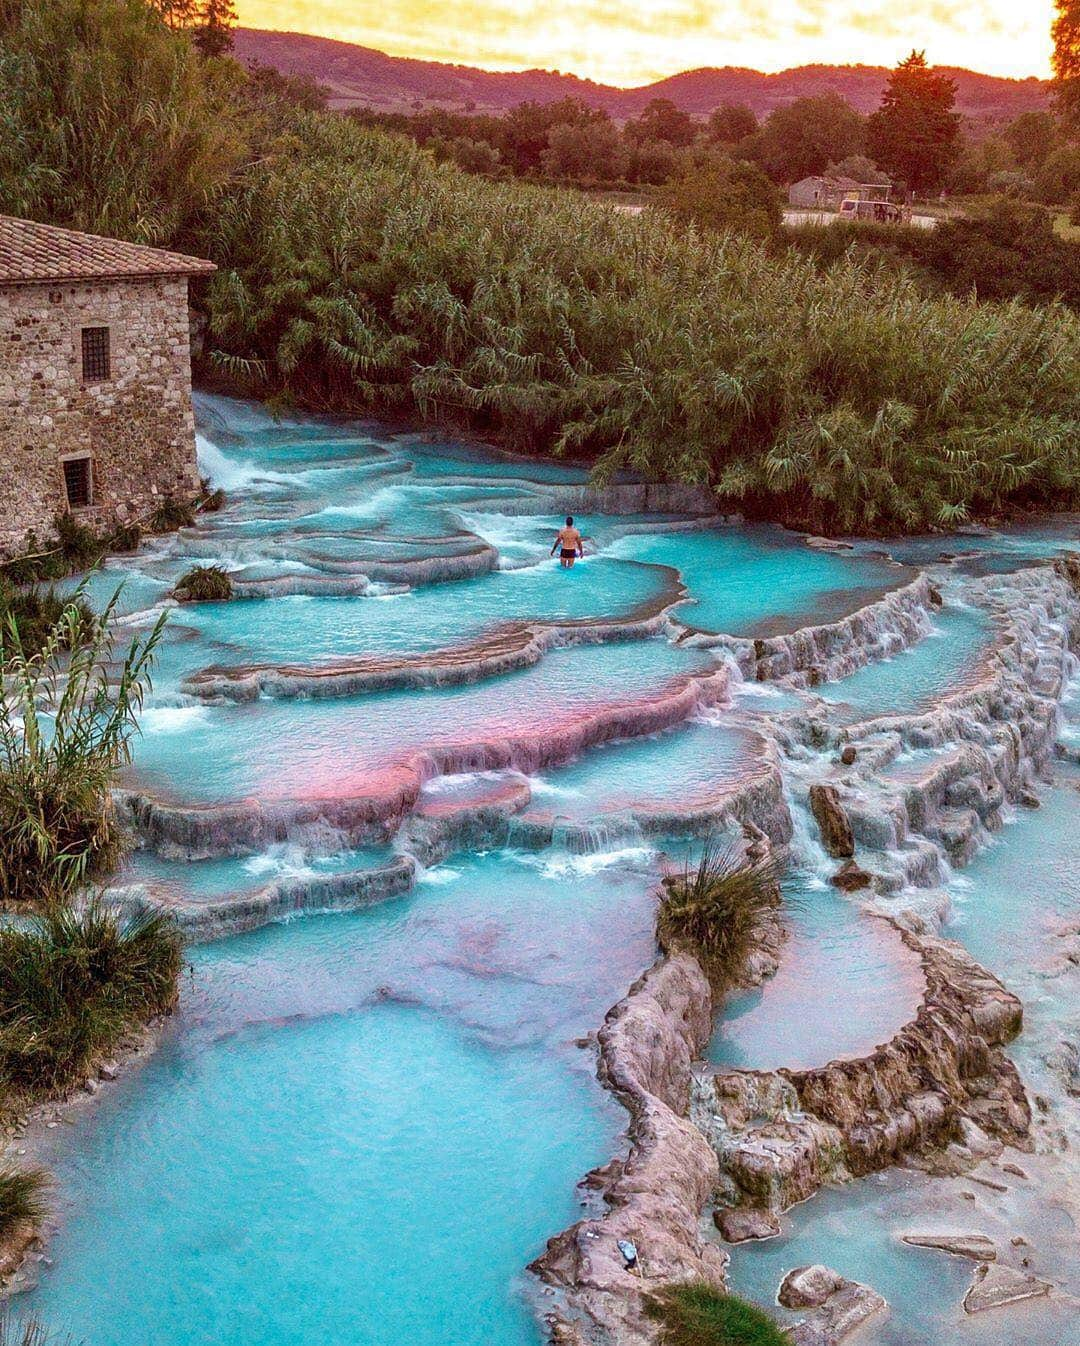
(95, 380)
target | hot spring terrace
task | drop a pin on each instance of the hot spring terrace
(468, 771)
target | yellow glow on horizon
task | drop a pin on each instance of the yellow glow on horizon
(629, 42)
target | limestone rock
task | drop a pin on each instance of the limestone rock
(850, 877)
(993, 1287)
(836, 833)
(739, 1225)
(837, 1311)
(976, 1246)
(848, 754)
(809, 1287)
(108, 1070)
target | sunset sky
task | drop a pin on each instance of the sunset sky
(635, 41)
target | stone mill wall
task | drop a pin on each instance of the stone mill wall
(137, 425)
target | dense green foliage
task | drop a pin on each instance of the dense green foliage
(356, 274)
(65, 727)
(73, 982)
(723, 194)
(715, 910)
(1005, 250)
(203, 584)
(693, 1313)
(36, 612)
(22, 1203)
(73, 547)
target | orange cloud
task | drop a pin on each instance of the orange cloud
(635, 41)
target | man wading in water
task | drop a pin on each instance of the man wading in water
(568, 544)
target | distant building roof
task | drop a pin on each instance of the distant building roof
(32, 253)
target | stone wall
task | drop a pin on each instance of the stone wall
(137, 425)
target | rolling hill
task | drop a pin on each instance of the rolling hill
(357, 76)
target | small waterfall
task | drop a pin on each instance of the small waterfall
(601, 837)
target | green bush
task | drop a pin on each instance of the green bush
(22, 1192)
(715, 909)
(73, 547)
(65, 729)
(172, 513)
(72, 983)
(37, 613)
(695, 1314)
(204, 584)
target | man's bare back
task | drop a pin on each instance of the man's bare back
(568, 544)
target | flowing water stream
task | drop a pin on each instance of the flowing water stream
(362, 1126)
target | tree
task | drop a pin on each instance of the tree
(584, 150)
(1032, 136)
(651, 161)
(1066, 59)
(803, 137)
(860, 169)
(731, 122)
(915, 134)
(1058, 181)
(213, 27)
(723, 194)
(527, 125)
(662, 120)
(474, 156)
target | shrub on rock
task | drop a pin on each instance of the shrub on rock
(204, 584)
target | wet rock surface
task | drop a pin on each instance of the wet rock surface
(840, 1306)
(975, 1246)
(996, 1287)
(836, 833)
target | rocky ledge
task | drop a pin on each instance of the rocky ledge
(780, 1135)
(655, 1194)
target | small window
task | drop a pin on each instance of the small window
(95, 354)
(78, 482)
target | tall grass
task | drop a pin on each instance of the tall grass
(22, 1203)
(695, 1314)
(72, 983)
(67, 715)
(715, 909)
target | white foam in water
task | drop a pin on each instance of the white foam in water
(437, 875)
(547, 789)
(566, 866)
(231, 475)
(171, 719)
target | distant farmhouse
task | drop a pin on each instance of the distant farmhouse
(95, 379)
(826, 193)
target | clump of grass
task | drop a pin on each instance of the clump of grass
(204, 584)
(211, 500)
(65, 728)
(715, 909)
(22, 1199)
(73, 981)
(36, 612)
(172, 513)
(694, 1314)
(73, 547)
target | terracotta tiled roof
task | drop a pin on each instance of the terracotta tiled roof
(31, 253)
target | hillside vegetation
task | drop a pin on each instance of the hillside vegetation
(358, 275)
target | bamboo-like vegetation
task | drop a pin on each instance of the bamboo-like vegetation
(66, 720)
(358, 275)
(715, 909)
